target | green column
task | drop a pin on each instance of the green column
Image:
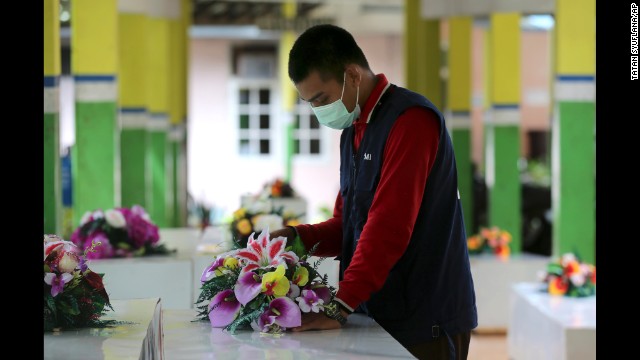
(51, 161)
(459, 109)
(94, 41)
(502, 129)
(178, 157)
(573, 130)
(133, 99)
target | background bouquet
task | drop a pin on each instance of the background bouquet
(122, 232)
(569, 276)
(247, 221)
(265, 286)
(74, 296)
(490, 240)
(277, 188)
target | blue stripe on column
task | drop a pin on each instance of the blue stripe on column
(505, 106)
(575, 78)
(133, 110)
(51, 81)
(94, 78)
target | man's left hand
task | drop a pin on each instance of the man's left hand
(316, 321)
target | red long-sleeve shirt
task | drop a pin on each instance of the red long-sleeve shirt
(409, 154)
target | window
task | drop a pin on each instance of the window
(255, 120)
(306, 131)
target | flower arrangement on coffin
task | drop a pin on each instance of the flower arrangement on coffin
(122, 232)
(265, 286)
(247, 221)
(569, 276)
(74, 295)
(490, 240)
(277, 188)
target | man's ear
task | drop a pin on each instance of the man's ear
(354, 74)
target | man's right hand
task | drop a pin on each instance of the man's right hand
(287, 232)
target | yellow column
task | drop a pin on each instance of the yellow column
(459, 108)
(52, 180)
(502, 129)
(422, 54)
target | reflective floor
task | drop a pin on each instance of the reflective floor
(488, 347)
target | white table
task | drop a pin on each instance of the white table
(139, 337)
(493, 277)
(168, 277)
(362, 338)
(544, 326)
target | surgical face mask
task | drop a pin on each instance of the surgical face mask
(336, 115)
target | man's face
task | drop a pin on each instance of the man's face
(318, 92)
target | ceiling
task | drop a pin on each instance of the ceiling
(368, 16)
(226, 12)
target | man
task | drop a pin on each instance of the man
(397, 224)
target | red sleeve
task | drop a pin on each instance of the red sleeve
(408, 157)
(327, 233)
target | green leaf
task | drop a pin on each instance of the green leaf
(297, 246)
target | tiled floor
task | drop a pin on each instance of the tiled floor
(488, 347)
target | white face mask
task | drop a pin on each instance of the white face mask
(336, 115)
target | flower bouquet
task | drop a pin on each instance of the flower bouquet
(265, 287)
(277, 188)
(74, 296)
(490, 240)
(569, 276)
(122, 232)
(246, 221)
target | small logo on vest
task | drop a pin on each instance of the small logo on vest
(367, 156)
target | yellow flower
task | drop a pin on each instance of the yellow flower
(292, 222)
(557, 286)
(230, 263)
(244, 227)
(275, 283)
(473, 242)
(301, 276)
(240, 213)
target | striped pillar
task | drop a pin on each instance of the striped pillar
(178, 133)
(159, 101)
(573, 130)
(94, 44)
(502, 129)
(134, 138)
(289, 93)
(459, 111)
(52, 177)
(422, 54)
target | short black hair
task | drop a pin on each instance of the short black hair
(326, 48)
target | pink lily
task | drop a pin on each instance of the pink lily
(64, 245)
(262, 253)
(223, 308)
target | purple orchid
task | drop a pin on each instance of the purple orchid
(321, 290)
(282, 313)
(223, 308)
(248, 287)
(310, 301)
(57, 282)
(210, 271)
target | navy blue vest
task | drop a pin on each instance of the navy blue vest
(429, 291)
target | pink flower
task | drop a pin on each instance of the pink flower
(57, 282)
(262, 253)
(223, 308)
(282, 312)
(100, 251)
